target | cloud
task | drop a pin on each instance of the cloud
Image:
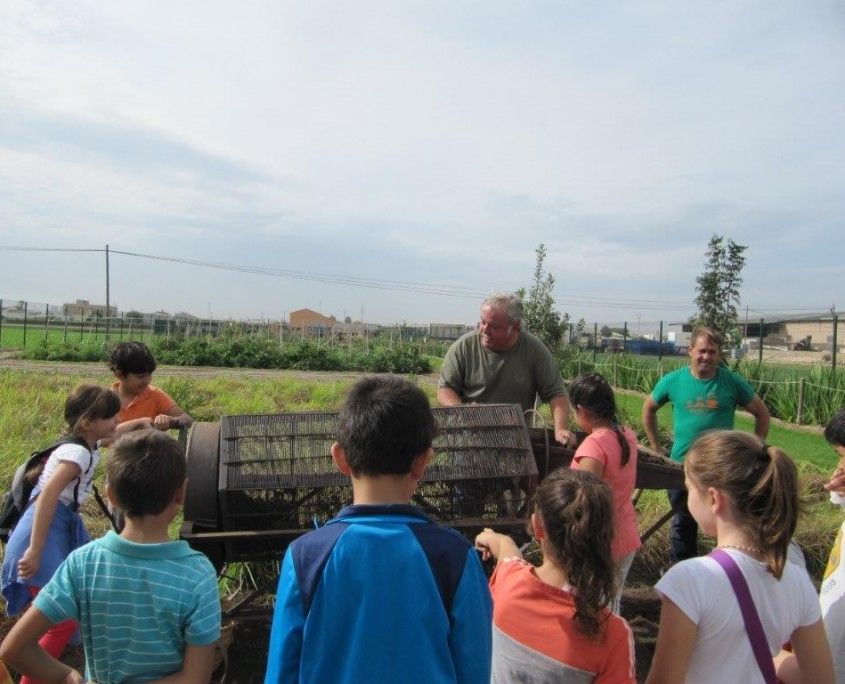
(424, 140)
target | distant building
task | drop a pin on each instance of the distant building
(813, 329)
(82, 309)
(311, 322)
(447, 331)
(14, 309)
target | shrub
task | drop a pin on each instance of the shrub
(238, 351)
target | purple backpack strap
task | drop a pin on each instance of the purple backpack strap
(753, 626)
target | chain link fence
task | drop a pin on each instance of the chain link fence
(24, 324)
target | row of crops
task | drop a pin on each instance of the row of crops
(805, 394)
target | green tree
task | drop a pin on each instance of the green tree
(718, 288)
(540, 316)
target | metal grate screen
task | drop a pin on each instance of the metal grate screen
(276, 471)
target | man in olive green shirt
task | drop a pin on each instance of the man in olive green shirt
(500, 363)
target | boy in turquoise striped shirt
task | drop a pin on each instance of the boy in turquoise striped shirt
(148, 607)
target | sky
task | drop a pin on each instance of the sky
(423, 149)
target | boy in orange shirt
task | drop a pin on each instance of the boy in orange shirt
(141, 403)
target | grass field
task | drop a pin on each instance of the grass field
(31, 417)
(12, 335)
(32, 404)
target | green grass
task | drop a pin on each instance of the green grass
(804, 445)
(815, 460)
(33, 402)
(12, 334)
(32, 409)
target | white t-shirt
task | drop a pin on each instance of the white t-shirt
(71, 453)
(832, 599)
(722, 653)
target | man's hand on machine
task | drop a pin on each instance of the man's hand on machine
(565, 437)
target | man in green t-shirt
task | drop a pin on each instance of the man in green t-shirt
(501, 363)
(704, 396)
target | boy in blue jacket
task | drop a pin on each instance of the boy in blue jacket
(382, 593)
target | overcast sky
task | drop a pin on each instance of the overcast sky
(421, 142)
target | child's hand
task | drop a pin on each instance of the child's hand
(483, 542)
(162, 422)
(29, 563)
(836, 482)
(73, 677)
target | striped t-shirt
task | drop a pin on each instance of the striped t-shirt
(536, 641)
(138, 605)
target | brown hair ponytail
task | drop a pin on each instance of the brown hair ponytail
(576, 508)
(762, 482)
(592, 392)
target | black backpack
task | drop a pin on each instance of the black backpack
(16, 499)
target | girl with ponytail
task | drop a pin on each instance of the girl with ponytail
(552, 623)
(609, 452)
(724, 616)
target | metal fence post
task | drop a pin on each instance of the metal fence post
(25, 314)
(760, 344)
(660, 343)
(625, 336)
(65, 316)
(595, 340)
(800, 417)
(835, 343)
(46, 320)
(96, 326)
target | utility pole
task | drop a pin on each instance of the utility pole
(108, 310)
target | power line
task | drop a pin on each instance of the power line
(337, 279)
(439, 289)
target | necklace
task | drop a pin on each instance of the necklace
(751, 550)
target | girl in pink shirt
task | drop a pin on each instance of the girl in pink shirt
(609, 452)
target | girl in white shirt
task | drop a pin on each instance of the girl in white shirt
(745, 494)
(51, 527)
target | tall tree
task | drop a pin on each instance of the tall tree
(718, 287)
(540, 316)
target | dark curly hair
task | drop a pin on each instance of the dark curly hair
(132, 357)
(89, 402)
(576, 508)
(834, 431)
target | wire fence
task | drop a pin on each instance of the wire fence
(808, 340)
(792, 363)
(798, 394)
(24, 324)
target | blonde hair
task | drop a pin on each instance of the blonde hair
(761, 481)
